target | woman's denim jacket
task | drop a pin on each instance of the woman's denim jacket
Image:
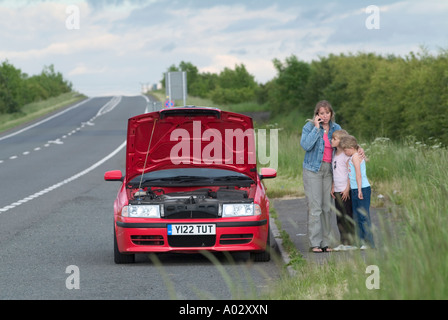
(313, 142)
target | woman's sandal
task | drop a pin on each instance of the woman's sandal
(326, 249)
(316, 250)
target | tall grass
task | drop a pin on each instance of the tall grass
(415, 264)
(290, 155)
(412, 255)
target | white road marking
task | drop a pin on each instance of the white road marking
(147, 103)
(57, 141)
(60, 184)
(109, 106)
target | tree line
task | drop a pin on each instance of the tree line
(18, 89)
(372, 95)
(228, 87)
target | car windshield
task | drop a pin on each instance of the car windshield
(191, 176)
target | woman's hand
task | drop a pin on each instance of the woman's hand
(317, 121)
(361, 153)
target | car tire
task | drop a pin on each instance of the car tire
(263, 256)
(120, 258)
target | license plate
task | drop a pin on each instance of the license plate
(191, 229)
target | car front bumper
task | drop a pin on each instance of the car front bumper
(231, 235)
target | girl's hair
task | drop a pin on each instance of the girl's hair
(323, 104)
(340, 133)
(348, 141)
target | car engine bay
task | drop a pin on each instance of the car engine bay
(201, 203)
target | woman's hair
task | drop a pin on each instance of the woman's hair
(340, 133)
(348, 141)
(324, 104)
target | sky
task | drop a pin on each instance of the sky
(115, 47)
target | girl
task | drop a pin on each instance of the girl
(360, 191)
(341, 193)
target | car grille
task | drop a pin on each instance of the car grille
(191, 211)
(192, 215)
(236, 238)
(192, 241)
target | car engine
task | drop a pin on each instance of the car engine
(204, 203)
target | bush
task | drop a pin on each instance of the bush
(287, 91)
(17, 89)
(372, 95)
(230, 86)
(10, 88)
(232, 96)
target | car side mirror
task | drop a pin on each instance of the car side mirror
(268, 173)
(114, 175)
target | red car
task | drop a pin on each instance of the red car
(191, 184)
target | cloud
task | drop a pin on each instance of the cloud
(82, 69)
(122, 43)
(70, 47)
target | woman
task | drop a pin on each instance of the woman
(317, 174)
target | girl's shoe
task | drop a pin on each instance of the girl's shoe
(340, 247)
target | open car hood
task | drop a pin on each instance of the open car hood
(188, 137)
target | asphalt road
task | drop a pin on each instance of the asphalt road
(56, 218)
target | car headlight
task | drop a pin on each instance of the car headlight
(240, 210)
(139, 211)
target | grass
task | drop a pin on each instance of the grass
(413, 260)
(36, 110)
(290, 156)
